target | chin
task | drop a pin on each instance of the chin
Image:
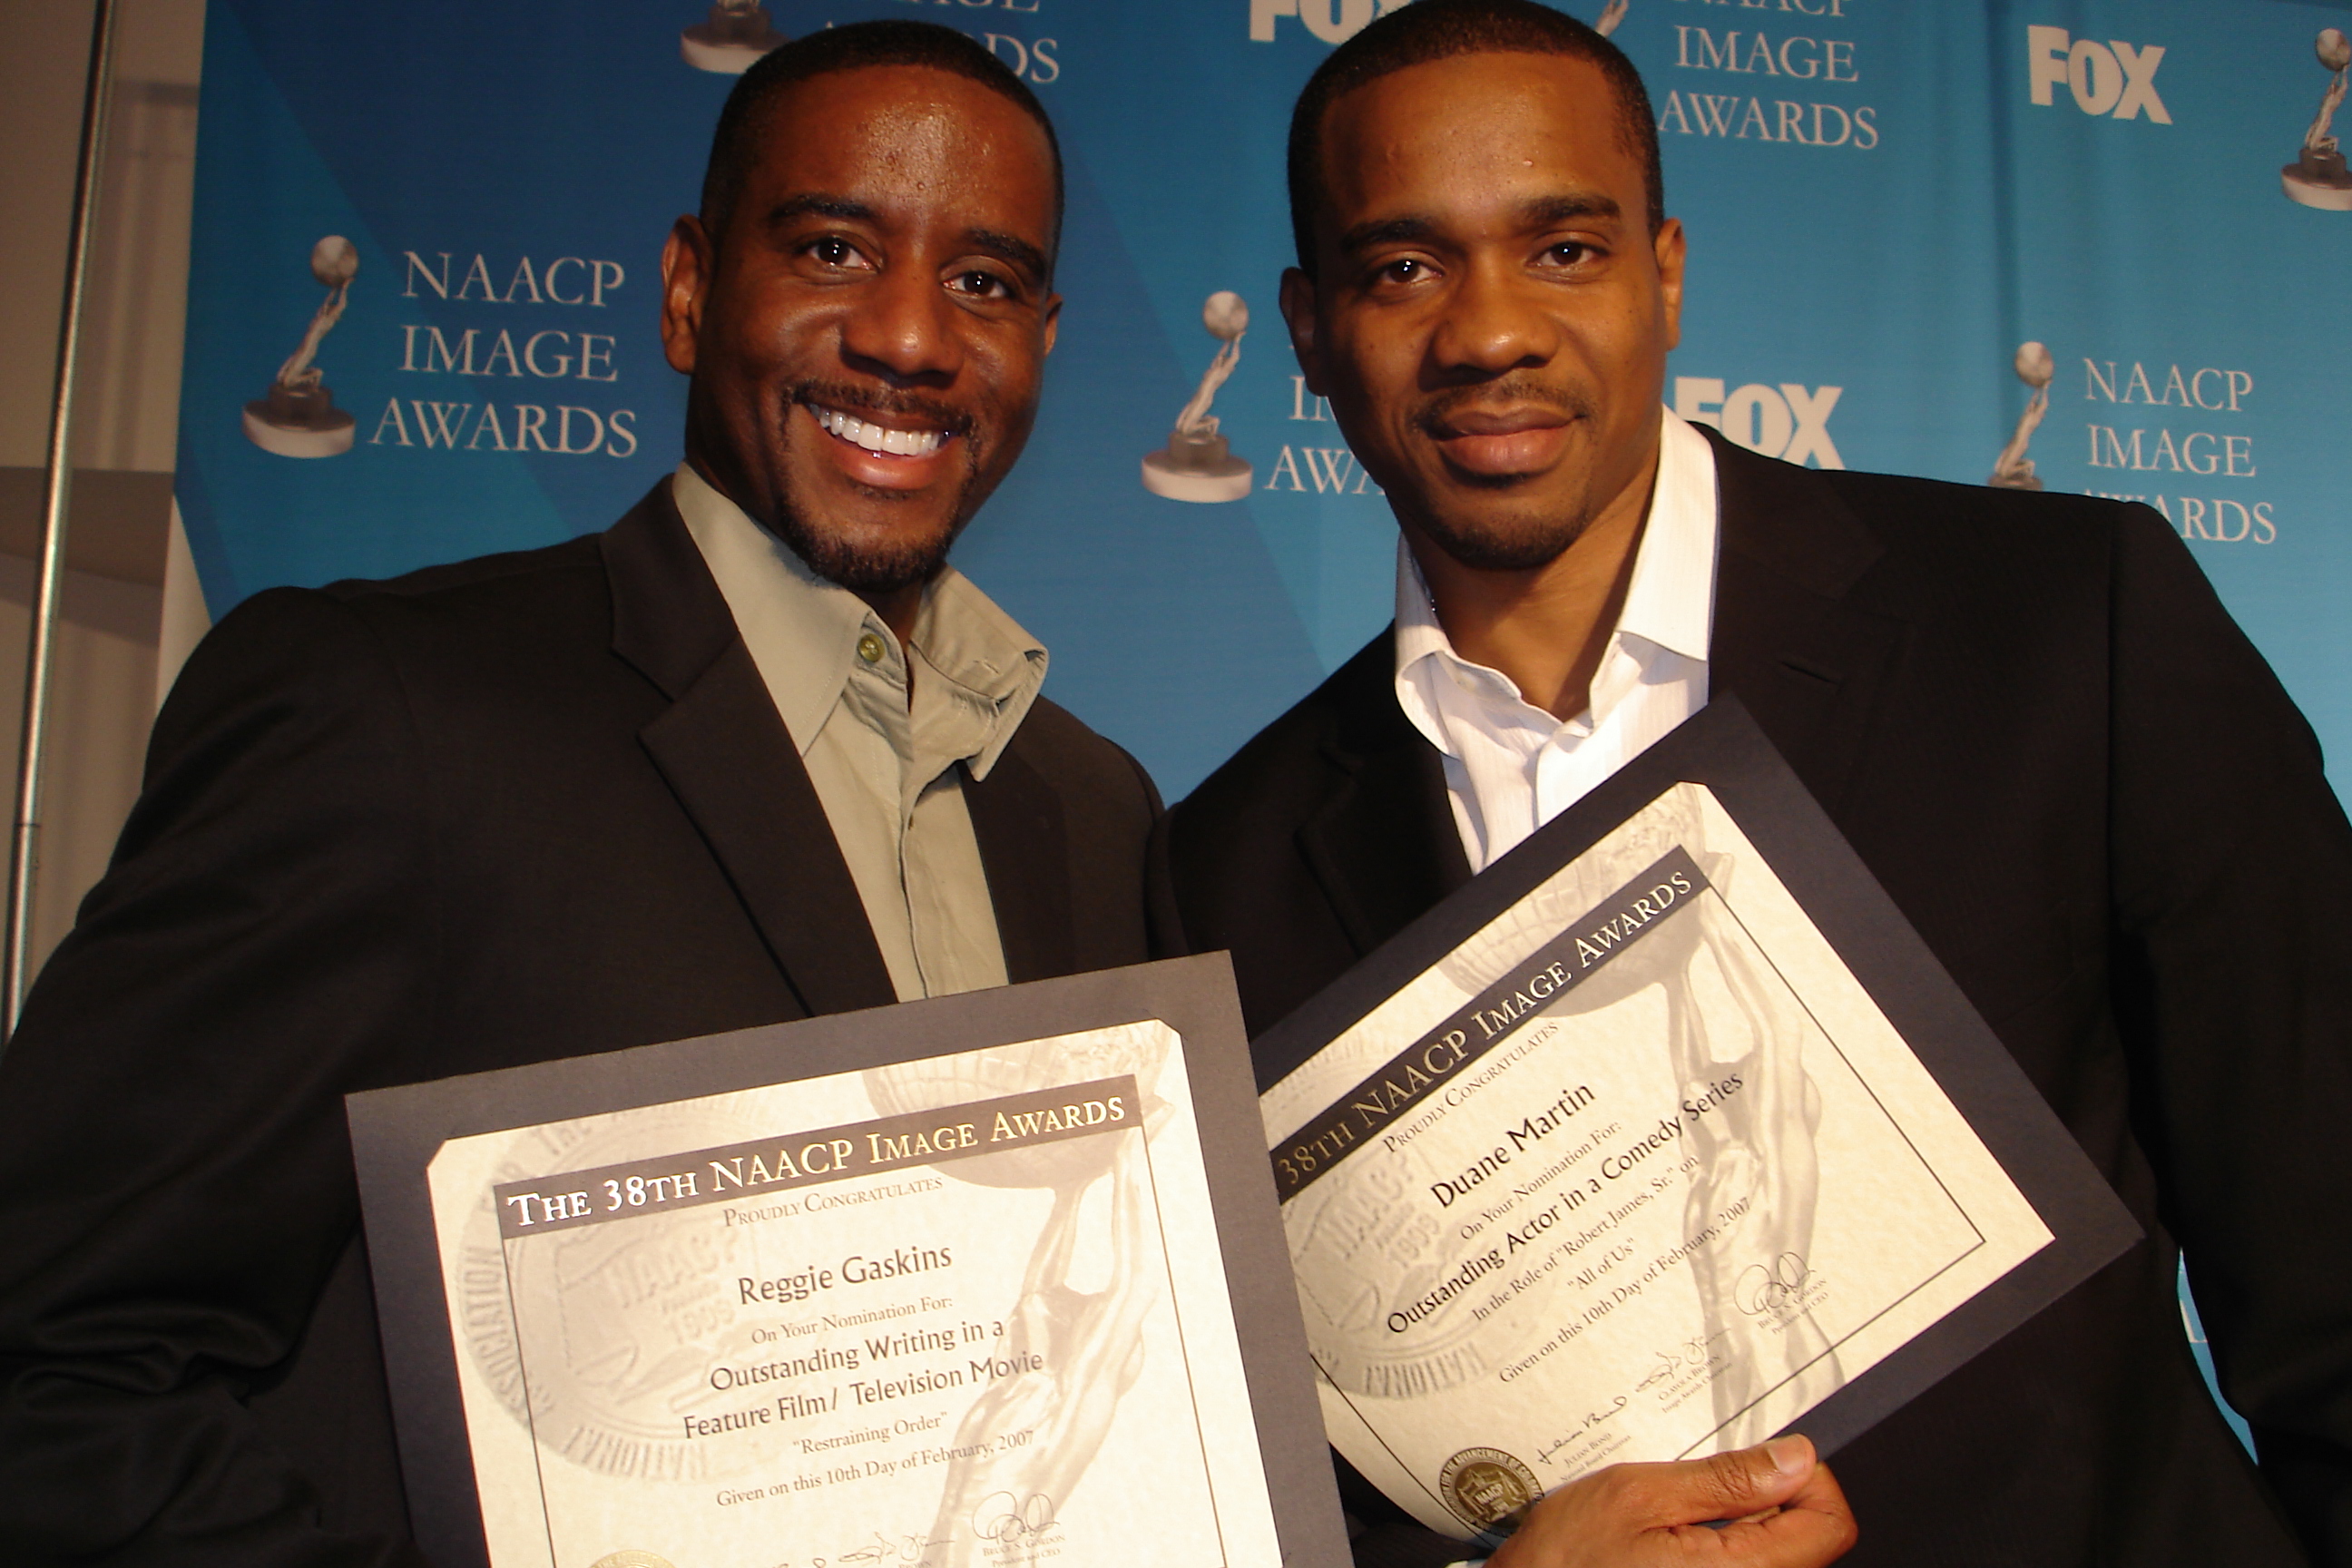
(880, 561)
(1519, 543)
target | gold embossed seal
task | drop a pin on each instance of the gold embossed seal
(1486, 1486)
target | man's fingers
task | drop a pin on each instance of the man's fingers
(1737, 1485)
(1821, 1494)
(1749, 1481)
(1812, 1529)
(1788, 1509)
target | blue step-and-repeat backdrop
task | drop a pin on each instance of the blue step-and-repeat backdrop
(2069, 242)
(1887, 200)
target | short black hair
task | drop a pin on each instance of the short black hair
(734, 145)
(1430, 30)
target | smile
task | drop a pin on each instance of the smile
(874, 437)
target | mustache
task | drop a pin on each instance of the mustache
(850, 398)
(1435, 415)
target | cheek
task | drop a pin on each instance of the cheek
(1390, 376)
(1372, 385)
(765, 336)
(1012, 376)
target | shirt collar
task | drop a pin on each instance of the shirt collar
(1669, 603)
(983, 659)
(1670, 600)
(804, 631)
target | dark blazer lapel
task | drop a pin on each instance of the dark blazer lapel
(1025, 846)
(1807, 661)
(1384, 844)
(732, 766)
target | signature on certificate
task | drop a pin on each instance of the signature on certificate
(1002, 1516)
(883, 1549)
(1765, 1290)
(1693, 1355)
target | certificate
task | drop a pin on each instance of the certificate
(1663, 1135)
(964, 1284)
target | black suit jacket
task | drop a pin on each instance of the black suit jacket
(2040, 730)
(525, 807)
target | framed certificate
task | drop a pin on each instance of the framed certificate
(1663, 1135)
(984, 1280)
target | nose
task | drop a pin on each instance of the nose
(904, 329)
(1494, 322)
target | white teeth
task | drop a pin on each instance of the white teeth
(876, 437)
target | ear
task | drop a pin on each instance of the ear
(688, 264)
(1053, 324)
(1669, 247)
(1298, 301)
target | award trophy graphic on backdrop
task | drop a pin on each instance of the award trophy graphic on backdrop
(2013, 470)
(2319, 178)
(298, 417)
(735, 33)
(1197, 465)
(1611, 15)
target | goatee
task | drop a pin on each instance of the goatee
(901, 560)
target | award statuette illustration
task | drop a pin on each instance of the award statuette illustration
(1069, 1356)
(298, 417)
(1197, 465)
(1611, 15)
(2319, 178)
(2013, 470)
(735, 33)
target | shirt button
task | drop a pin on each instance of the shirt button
(869, 648)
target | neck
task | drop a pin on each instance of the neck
(1546, 627)
(898, 607)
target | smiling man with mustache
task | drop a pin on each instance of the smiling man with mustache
(752, 753)
(2027, 714)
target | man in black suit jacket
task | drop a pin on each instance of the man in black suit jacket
(2029, 715)
(522, 808)
(534, 806)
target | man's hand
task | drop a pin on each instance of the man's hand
(1787, 1509)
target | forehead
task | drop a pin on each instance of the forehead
(907, 139)
(1477, 130)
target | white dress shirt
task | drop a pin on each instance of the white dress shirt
(1510, 767)
(890, 776)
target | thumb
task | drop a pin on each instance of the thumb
(1749, 1481)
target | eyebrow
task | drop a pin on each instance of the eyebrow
(1546, 211)
(813, 205)
(1007, 247)
(1543, 212)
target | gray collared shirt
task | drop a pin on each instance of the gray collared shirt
(890, 775)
